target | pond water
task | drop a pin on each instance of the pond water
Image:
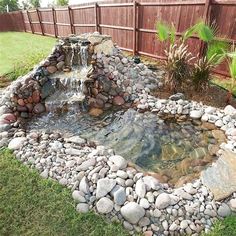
(169, 148)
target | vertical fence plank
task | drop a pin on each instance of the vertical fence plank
(40, 20)
(54, 21)
(96, 17)
(206, 19)
(134, 26)
(71, 20)
(30, 22)
(23, 20)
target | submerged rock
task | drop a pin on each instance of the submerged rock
(95, 111)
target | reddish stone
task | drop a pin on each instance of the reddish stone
(51, 69)
(36, 96)
(118, 101)
(30, 107)
(148, 233)
(21, 102)
(10, 118)
(39, 108)
(30, 100)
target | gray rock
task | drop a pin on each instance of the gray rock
(144, 203)
(132, 212)
(104, 205)
(163, 201)
(104, 186)
(177, 96)
(78, 196)
(76, 139)
(144, 222)
(220, 178)
(196, 114)
(183, 224)
(86, 164)
(224, 210)
(119, 196)
(84, 186)
(140, 188)
(17, 143)
(82, 207)
(119, 161)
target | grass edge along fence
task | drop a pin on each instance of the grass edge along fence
(132, 23)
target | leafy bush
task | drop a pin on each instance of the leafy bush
(23, 67)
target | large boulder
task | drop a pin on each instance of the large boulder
(17, 143)
(220, 178)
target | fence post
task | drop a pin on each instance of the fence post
(54, 22)
(134, 27)
(23, 20)
(71, 20)
(40, 21)
(96, 17)
(29, 18)
(206, 18)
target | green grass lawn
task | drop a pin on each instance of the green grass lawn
(30, 205)
(18, 49)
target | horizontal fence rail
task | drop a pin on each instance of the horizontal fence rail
(132, 24)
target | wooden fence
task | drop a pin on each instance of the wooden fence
(12, 21)
(132, 23)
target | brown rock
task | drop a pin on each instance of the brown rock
(21, 102)
(118, 101)
(219, 135)
(51, 69)
(60, 65)
(207, 125)
(30, 100)
(36, 96)
(94, 91)
(95, 111)
(160, 177)
(39, 108)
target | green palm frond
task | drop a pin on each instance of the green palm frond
(216, 51)
(188, 33)
(232, 67)
(205, 32)
(163, 31)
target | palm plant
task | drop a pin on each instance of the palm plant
(177, 65)
(202, 68)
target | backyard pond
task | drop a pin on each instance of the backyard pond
(169, 148)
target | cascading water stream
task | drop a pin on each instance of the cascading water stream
(72, 84)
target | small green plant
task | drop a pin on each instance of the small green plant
(23, 67)
(202, 69)
(178, 57)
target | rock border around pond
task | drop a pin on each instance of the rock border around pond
(103, 181)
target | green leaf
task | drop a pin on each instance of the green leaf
(205, 32)
(172, 34)
(163, 31)
(216, 51)
(232, 68)
(188, 33)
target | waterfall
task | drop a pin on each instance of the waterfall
(84, 55)
(73, 47)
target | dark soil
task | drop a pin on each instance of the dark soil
(4, 82)
(211, 96)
